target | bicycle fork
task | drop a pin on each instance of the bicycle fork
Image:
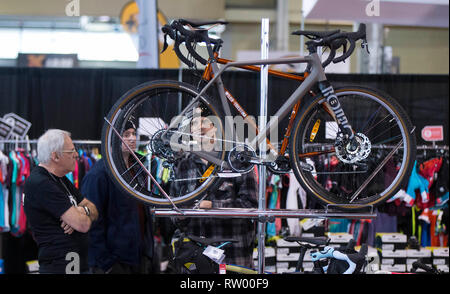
(336, 110)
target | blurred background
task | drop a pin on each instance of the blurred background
(408, 37)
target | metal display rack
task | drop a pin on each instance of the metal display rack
(265, 215)
(34, 141)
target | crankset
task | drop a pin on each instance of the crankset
(244, 160)
(241, 158)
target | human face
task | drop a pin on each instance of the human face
(204, 132)
(129, 137)
(68, 156)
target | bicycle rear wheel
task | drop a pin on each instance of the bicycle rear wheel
(367, 175)
(153, 107)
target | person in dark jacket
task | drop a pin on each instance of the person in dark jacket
(121, 241)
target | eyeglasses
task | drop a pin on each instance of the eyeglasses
(69, 151)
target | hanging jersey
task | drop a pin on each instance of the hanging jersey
(416, 182)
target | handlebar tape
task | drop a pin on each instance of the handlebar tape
(194, 53)
(176, 48)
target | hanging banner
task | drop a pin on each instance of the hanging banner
(20, 126)
(5, 129)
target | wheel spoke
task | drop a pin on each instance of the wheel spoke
(347, 175)
(160, 103)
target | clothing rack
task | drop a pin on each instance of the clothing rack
(433, 147)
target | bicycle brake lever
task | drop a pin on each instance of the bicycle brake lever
(344, 50)
(364, 44)
(165, 45)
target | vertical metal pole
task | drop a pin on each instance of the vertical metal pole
(180, 98)
(262, 146)
(283, 25)
(371, 63)
(148, 34)
(302, 27)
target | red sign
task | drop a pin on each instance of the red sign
(222, 269)
(433, 133)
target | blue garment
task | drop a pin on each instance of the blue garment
(337, 225)
(416, 182)
(273, 200)
(425, 236)
(70, 177)
(116, 235)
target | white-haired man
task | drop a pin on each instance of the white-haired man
(59, 217)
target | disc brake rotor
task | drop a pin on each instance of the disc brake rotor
(362, 151)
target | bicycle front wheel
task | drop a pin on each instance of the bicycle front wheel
(162, 135)
(334, 171)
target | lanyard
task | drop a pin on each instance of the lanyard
(71, 198)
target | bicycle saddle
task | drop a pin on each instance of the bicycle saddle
(197, 24)
(315, 34)
(310, 240)
(210, 241)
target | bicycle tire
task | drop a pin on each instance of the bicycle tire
(364, 108)
(158, 100)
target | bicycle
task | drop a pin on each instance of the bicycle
(339, 140)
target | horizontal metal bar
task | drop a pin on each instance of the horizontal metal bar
(257, 214)
(383, 146)
(21, 141)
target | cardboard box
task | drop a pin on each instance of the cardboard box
(293, 247)
(313, 227)
(423, 254)
(339, 239)
(440, 256)
(400, 268)
(443, 267)
(391, 241)
(32, 266)
(268, 252)
(269, 256)
(286, 264)
(393, 257)
(287, 256)
(285, 270)
(308, 266)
